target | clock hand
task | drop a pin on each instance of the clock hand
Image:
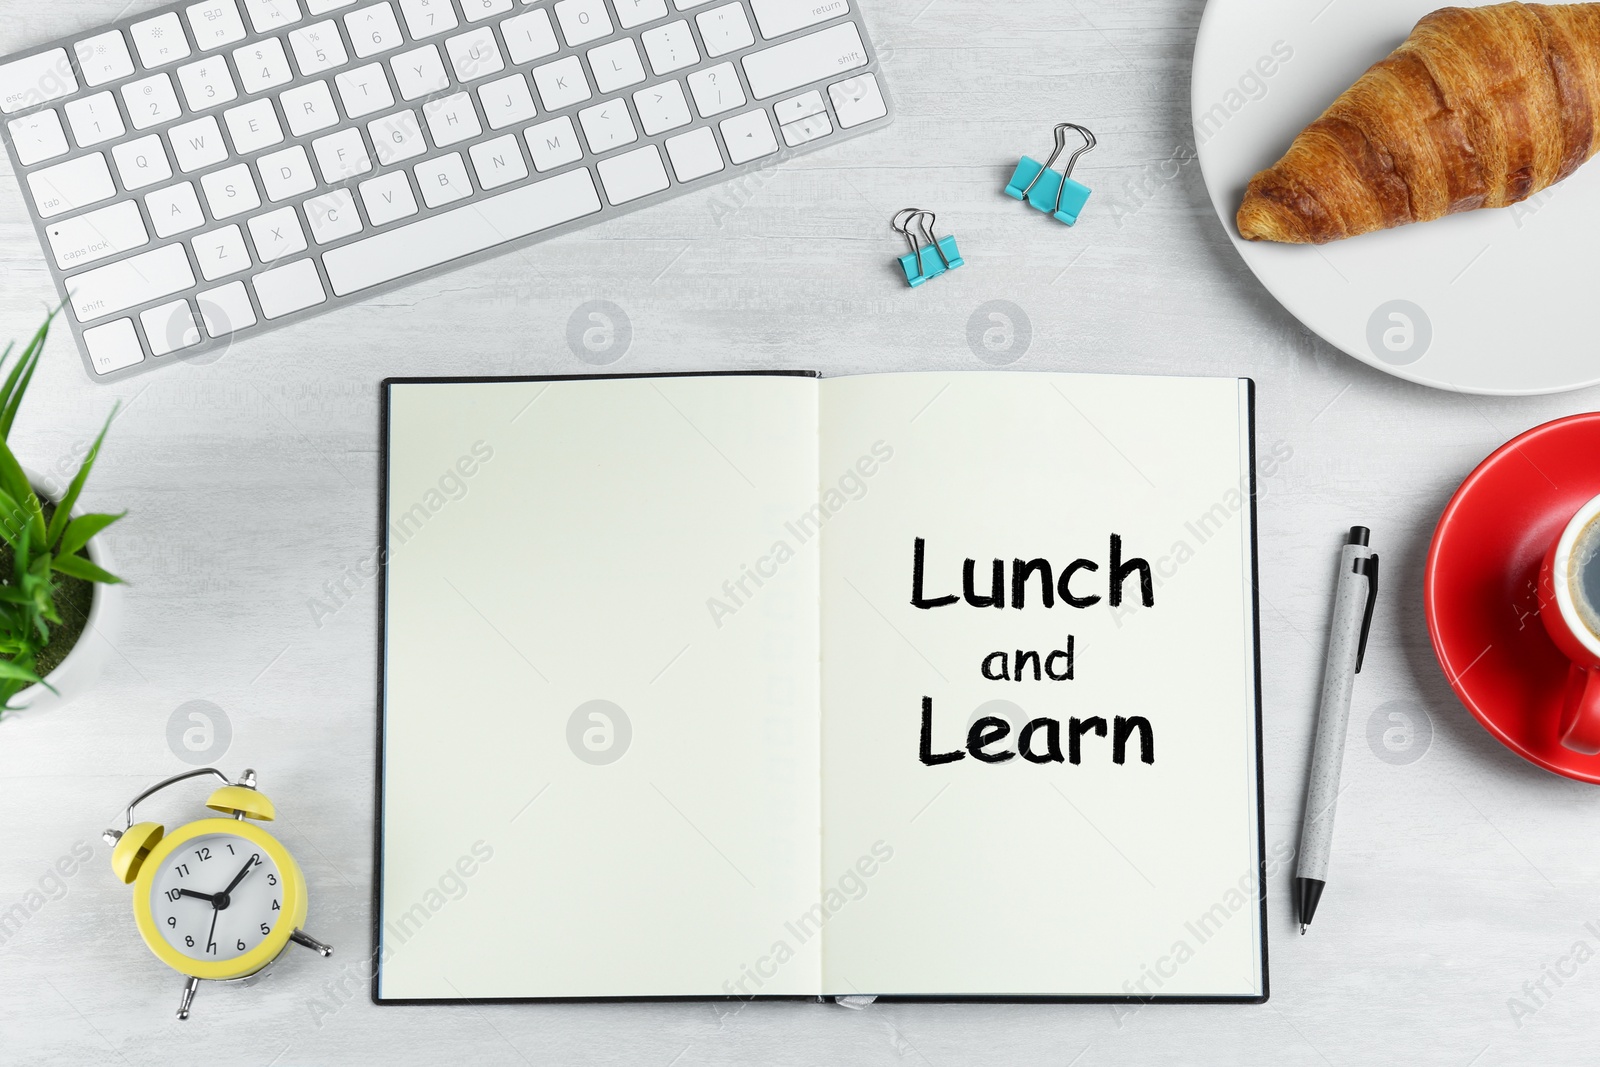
(207, 897)
(210, 937)
(249, 865)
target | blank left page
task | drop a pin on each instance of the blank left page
(600, 721)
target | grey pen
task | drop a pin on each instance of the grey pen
(1354, 597)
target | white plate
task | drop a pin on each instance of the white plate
(1495, 301)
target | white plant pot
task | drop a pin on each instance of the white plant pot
(96, 645)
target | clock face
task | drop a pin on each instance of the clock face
(217, 897)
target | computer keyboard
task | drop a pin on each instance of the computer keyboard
(210, 170)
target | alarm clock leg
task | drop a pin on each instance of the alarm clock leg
(305, 940)
(190, 985)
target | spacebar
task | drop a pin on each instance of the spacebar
(460, 232)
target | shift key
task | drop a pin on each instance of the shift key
(804, 60)
(129, 282)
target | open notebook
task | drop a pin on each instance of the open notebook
(925, 685)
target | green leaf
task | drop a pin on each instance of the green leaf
(13, 519)
(78, 567)
(58, 521)
(16, 384)
(19, 672)
(15, 484)
(81, 529)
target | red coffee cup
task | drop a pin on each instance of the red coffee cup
(1571, 614)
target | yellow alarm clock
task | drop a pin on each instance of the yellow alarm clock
(216, 899)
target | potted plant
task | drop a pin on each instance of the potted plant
(55, 584)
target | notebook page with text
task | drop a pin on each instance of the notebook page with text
(1040, 776)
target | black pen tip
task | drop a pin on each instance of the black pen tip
(1359, 535)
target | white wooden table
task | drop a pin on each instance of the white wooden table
(1464, 877)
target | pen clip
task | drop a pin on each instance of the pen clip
(1368, 567)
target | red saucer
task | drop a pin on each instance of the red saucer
(1481, 589)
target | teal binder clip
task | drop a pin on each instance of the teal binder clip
(1053, 192)
(930, 255)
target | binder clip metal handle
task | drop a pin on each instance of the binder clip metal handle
(1051, 191)
(929, 255)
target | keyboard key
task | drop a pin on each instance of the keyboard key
(206, 83)
(322, 7)
(341, 155)
(150, 102)
(160, 40)
(561, 84)
(197, 144)
(748, 136)
(724, 29)
(685, 5)
(616, 65)
(38, 136)
(694, 154)
(129, 282)
(449, 235)
(804, 59)
(583, 21)
(220, 253)
(419, 72)
(46, 76)
(388, 197)
(670, 47)
(174, 209)
(798, 107)
(94, 119)
(633, 174)
(443, 180)
(308, 108)
(529, 36)
(607, 126)
(269, 15)
(662, 107)
(226, 309)
(262, 65)
(142, 162)
(505, 101)
(857, 100)
(253, 126)
(478, 10)
(473, 54)
(109, 231)
(113, 347)
(803, 131)
(553, 144)
(364, 90)
(424, 18)
(451, 119)
(71, 185)
(103, 58)
(498, 162)
(332, 216)
(373, 30)
(286, 173)
(716, 89)
(289, 288)
(317, 47)
(230, 191)
(277, 234)
(215, 23)
(631, 13)
(169, 327)
(778, 17)
(396, 137)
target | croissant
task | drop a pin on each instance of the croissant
(1479, 107)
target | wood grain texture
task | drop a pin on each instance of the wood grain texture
(251, 483)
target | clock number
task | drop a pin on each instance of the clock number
(272, 879)
(172, 920)
(174, 894)
(189, 940)
(274, 905)
(230, 849)
(241, 944)
(265, 929)
(203, 854)
(182, 869)
(212, 948)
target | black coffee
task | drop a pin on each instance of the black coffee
(1583, 576)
